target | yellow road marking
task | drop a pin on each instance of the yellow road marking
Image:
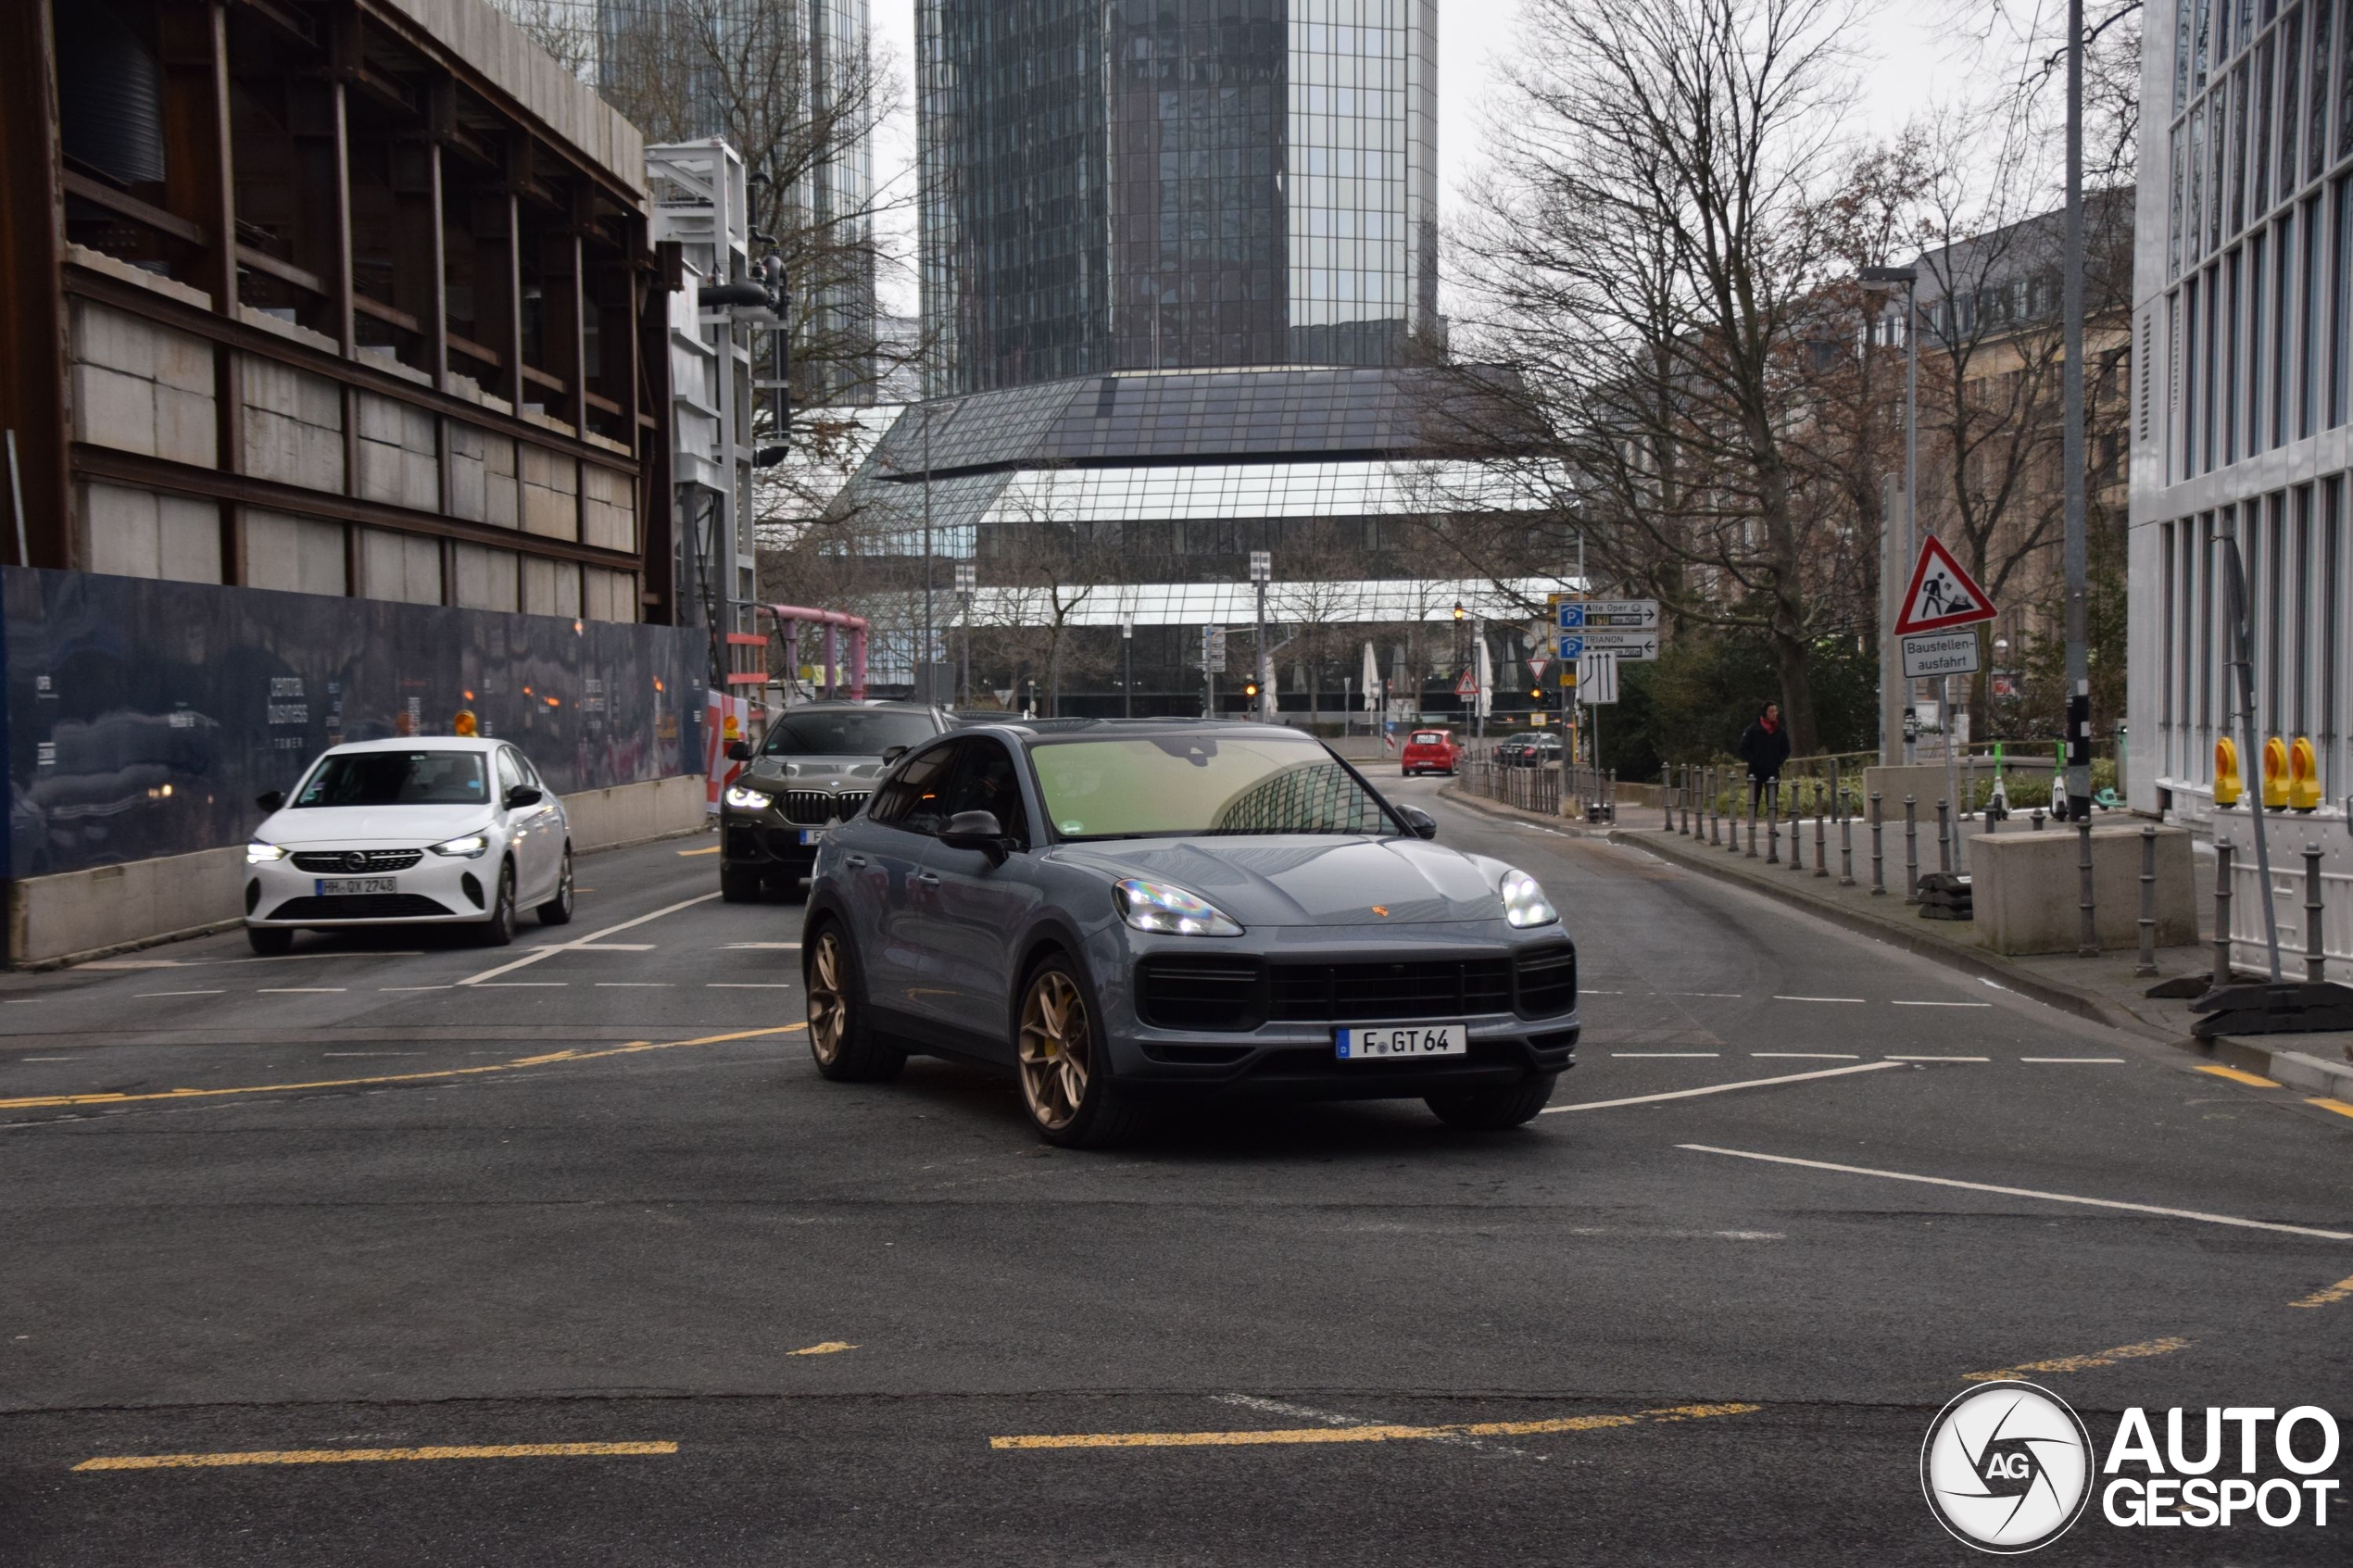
(713, 850)
(827, 1348)
(2235, 1076)
(2329, 1296)
(1362, 1433)
(42, 1101)
(2082, 1363)
(373, 1456)
(2336, 1105)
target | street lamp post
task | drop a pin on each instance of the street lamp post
(1896, 697)
(1128, 667)
(967, 583)
(2079, 680)
(1262, 566)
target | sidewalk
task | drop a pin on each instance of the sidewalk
(2104, 989)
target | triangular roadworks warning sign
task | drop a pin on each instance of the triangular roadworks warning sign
(1942, 594)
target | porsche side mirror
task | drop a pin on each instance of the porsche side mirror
(271, 800)
(976, 830)
(521, 796)
(1421, 821)
(739, 751)
(892, 754)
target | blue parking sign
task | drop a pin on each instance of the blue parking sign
(1571, 647)
(1572, 616)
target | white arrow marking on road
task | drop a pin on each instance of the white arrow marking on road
(2026, 1192)
(554, 948)
(1725, 1089)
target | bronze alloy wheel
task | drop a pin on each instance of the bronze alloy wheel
(828, 999)
(1057, 1048)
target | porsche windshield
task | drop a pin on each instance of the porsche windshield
(1185, 786)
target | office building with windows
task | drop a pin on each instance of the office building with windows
(1158, 185)
(2243, 421)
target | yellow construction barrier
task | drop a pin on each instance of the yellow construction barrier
(2303, 776)
(2228, 785)
(2275, 774)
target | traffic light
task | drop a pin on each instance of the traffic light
(1250, 688)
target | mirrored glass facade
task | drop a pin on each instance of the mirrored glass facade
(1141, 184)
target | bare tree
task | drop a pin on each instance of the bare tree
(802, 107)
(1647, 260)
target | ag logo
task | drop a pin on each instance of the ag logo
(2007, 1467)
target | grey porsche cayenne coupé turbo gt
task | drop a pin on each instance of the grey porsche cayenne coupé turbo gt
(1130, 912)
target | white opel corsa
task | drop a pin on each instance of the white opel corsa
(430, 831)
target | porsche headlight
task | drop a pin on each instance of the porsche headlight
(260, 854)
(744, 799)
(1157, 907)
(1524, 902)
(466, 847)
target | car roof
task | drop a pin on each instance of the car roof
(420, 743)
(869, 705)
(1115, 729)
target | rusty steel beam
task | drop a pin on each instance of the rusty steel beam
(245, 490)
(32, 313)
(174, 313)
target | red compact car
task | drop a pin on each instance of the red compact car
(1430, 751)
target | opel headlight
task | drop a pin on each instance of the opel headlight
(1157, 907)
(744, 799)
(467, 846)
(1524, 902)
(260, 854)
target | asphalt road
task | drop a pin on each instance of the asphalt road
(598, 1196)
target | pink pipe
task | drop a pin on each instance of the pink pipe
(788, 617)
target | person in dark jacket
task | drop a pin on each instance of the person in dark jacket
(1763, 747)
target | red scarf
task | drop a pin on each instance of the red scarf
(1769, 725)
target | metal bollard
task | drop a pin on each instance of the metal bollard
(2223, 852)
(1714, 812)
(1609, 799)
(2036, 816)
(1911, 850)
(2316, 962)
(2087, 943)
(1684, 793)
(1773, 822)
(2147, 965)
(1943, 835)
(1796, 840)
(1879, 852)
(1846, 851)
(1666, 796)
(1748, 795)
(1821, 821)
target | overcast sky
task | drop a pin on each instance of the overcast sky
(1908, 67)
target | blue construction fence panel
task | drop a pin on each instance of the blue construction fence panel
(143, 717)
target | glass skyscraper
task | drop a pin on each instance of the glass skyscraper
(1165, 184)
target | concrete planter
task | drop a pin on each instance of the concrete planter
(2026, 887)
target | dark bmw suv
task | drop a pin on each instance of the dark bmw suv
(816, 766)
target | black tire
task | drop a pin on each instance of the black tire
(271, 941)
(557, 909)
(841, 1042)
(1488, 1110)
(1055, 1031)
(499, 929)
(739, 885)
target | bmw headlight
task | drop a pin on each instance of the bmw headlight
(744, 799)
(1157, 907)
(1524, 902)
(466, 847)
(260, 854)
